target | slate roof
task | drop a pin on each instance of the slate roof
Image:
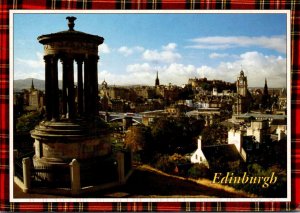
(226, 153)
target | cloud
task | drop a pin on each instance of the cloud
(169, 47)
(145, 67)
(24, 75)
(145, 74)
(36, 63)
(218, 55)
(133, 78)
(104, 48)
(167, 55)
(256, 66)
(127, 51)
(277, 43)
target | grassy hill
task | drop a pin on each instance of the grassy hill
(147, 182)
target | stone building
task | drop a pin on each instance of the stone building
(30, 99)
(243, 99)
(258, 129)
(36, 98)
(282, 99)
(220, 154)
(242, 84)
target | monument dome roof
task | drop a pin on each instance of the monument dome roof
(70, 35)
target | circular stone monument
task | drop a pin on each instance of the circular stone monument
(72, 128)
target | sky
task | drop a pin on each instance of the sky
(177, 46)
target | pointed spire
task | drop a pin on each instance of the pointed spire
(242, 72)
(157, 79)
(32, 86)
(266, 84)
(266, 87)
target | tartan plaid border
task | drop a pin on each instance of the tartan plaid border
(6, 5)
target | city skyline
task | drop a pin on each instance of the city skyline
(136, 46)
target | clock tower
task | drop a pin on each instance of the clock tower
(242, 96)
(241, 84)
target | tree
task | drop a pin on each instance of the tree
(164, 134)
(134, 139)
(186, 93)
(138, 139)
(199, 171)
(23, 141)
(27, 122)
(214, 134)
(175, 134)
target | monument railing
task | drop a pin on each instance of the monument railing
(18, 169)
(75, 177)
(18, 165)
(51, 177)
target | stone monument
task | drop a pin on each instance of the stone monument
(72, 128)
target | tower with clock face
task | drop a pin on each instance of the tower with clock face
(241, 84)
(242, 88)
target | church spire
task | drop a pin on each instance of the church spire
(265, 101)
(157, 79)
(32, 86)
(266, 87)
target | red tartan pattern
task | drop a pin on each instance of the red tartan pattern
(6, 5)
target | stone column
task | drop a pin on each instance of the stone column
(55, 95)
(75, 177)
(48, 87)
(68, 98)
(26, 162)
(64, 87)
(91, 85)
(86, 87)
(79, 86)
(71, 93)
(94, 84)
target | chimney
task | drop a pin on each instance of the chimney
(200, 142)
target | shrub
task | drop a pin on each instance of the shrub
(165, 164)
(28, 121)
(198, 171)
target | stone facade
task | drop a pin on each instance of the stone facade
(258, 129)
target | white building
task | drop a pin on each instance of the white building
(236, 137)
(258, 129)
(198, 156)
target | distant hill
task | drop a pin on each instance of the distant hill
(26, 84)
(40, 84)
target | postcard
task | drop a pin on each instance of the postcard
(150, 107)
